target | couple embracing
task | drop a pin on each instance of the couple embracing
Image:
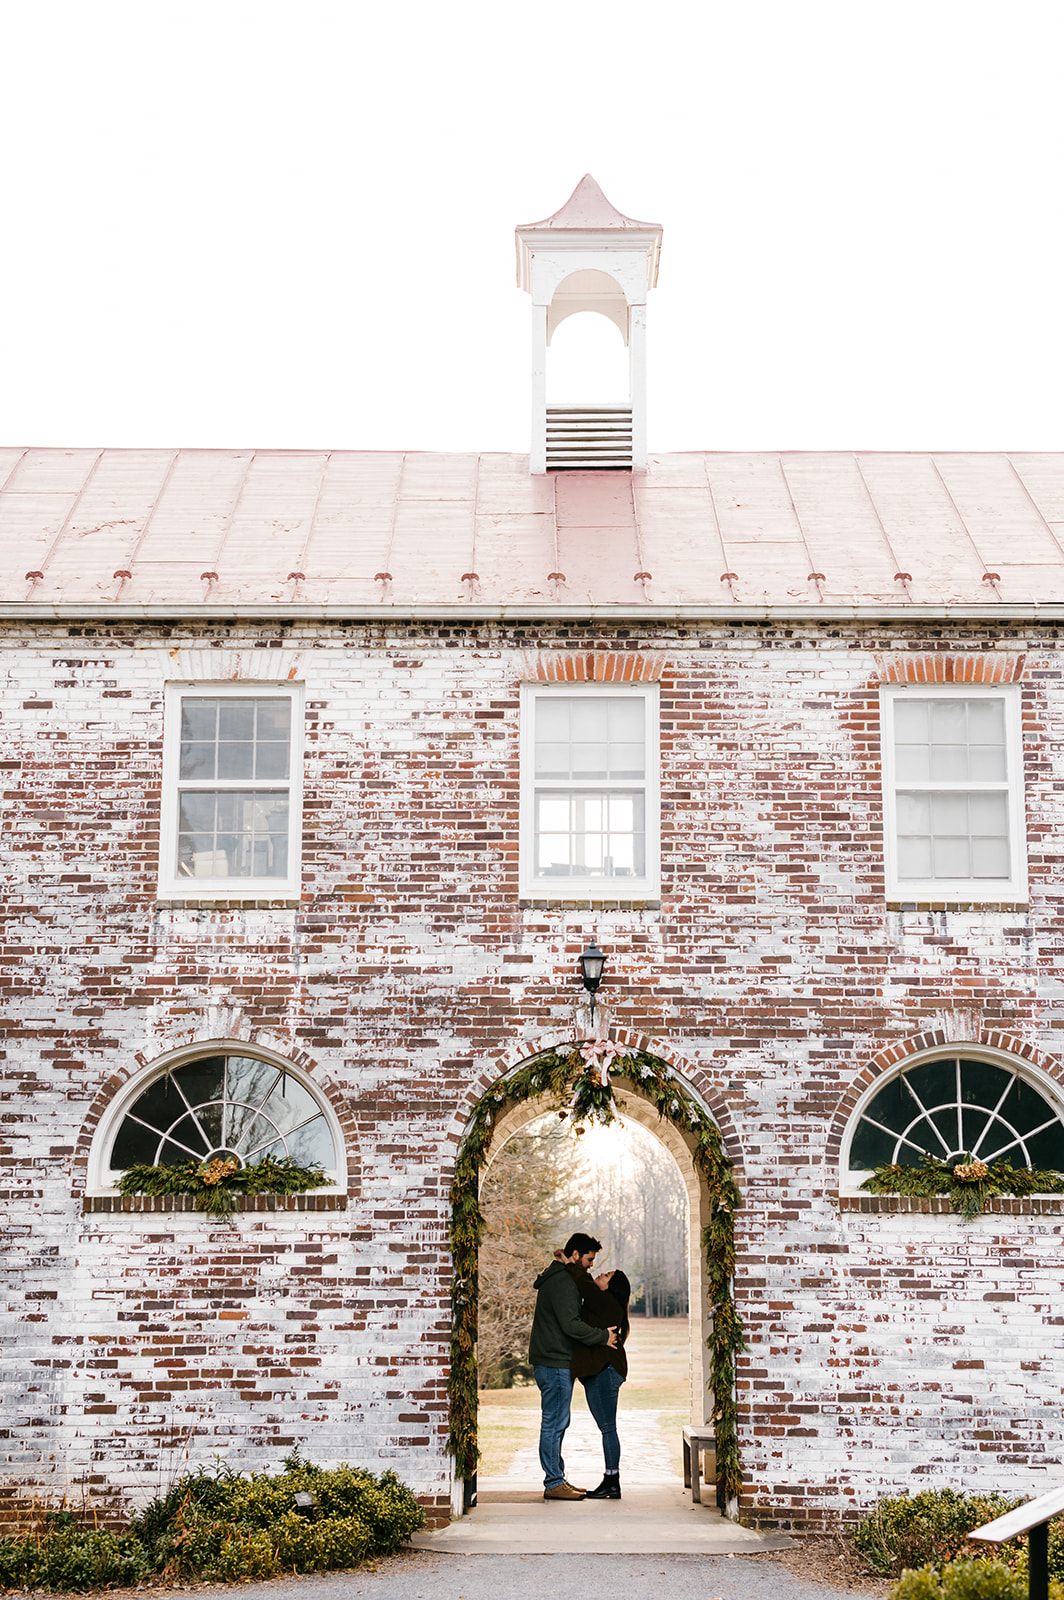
(579, 1331)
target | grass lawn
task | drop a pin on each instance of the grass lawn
(657, 1381)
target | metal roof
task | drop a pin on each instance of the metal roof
(216, 532)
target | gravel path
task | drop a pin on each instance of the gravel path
(428, 1576)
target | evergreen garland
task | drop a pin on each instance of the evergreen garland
(214, 1185)
(968, 1183)
(581, 1076)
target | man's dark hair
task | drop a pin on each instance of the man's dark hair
(583, 1244)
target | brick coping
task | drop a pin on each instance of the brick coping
(108, 1203)
(1034, 1205)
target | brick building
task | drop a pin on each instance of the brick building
(320, 770)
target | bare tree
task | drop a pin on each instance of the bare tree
(541, 1187)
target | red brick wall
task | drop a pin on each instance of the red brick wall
(409, 968)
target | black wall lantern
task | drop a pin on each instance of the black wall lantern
(591, 964)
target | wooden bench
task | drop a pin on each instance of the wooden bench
(1033, 1520)
(699, 1459)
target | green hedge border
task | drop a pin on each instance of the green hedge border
(567, 1076)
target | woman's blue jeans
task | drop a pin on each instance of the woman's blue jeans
(602, 1391)
(555, 1394)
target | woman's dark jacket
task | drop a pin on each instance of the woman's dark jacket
(600, 1310)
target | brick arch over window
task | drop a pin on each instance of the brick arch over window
(888, 1061)
(593, 666)
(693, 1076)
(951, 666)
(183, 1052)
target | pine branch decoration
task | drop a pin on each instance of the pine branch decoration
(582, 1079)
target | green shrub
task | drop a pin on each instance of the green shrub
(72, 1558)
(981, 1579)
(224, 1526)
(931, 1529)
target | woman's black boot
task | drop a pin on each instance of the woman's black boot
(608, 1489)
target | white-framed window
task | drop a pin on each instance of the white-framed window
(217, 1100)
(953, 793)
(231, 811)
(589, 792)
(955, 1104)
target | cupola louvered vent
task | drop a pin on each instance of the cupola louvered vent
(589, 437)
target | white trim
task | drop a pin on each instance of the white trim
(100, 1182)
(173, 886)
(1012, 888)
(964, 1050)
(581, 889)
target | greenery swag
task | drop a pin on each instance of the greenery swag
(214, 1185)
(968, 1183)
(581, 1076)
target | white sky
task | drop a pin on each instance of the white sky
(235, 224)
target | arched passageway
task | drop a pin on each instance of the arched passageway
(593, 1081)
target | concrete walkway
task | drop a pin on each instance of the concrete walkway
(656, 1514)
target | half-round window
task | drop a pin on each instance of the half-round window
(956, 1106)
(228, 1106)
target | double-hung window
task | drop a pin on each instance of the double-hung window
(231, 791)
(589, 792)
(953, 801)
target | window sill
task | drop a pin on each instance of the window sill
(894, 903)
(104, 1204)
(584, 903)
(231, 902)
(1033, 1205)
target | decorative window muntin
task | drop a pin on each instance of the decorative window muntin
(953, 793)
(589, 792)
(953, 1106)
(221, 1105)
(231, 790)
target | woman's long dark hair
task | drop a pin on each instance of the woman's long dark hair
(621, 1290)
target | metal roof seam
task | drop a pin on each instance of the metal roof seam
(949, 496)
(61, 530)
(304, 554)
(813, 573)
(899, 576)
(727, 575)
(19, 459)
(1044, 520)
(227, 525)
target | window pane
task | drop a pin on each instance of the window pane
(233, 834)
(949, 722)
(934, 1083)
(911, 724)
(597, 835)
(133, 1144)
(949, 813)
(188, 1135)
(950, 858)
(871, 1147)
(290, 1104)
(273, 719)
(949, 763)
(271, 760)
(983, 1084)
(590, 722)
(1046, 1149)
(590, 737)
(990, 859)
(236, 719)
(202, 1080)
(236, 760)
(912, 762)
(246, 1131)
(914, 813)
(986, 722)
(914, 858)
(311, 1145)
(248, 1080)
(198, 760)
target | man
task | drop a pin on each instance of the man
(556, 1328)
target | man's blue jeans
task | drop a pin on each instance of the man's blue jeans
(555, 1396)
(602, 1391)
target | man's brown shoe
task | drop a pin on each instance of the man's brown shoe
(564, 1491)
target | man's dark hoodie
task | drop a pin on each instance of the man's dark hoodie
(557, 1324)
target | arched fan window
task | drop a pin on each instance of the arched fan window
(954, 1106)
(224, 1105)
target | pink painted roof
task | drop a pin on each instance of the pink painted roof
(376, 532)
(587, 207)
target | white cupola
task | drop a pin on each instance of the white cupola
(588, 257)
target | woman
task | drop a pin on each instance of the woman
(604, 1304)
